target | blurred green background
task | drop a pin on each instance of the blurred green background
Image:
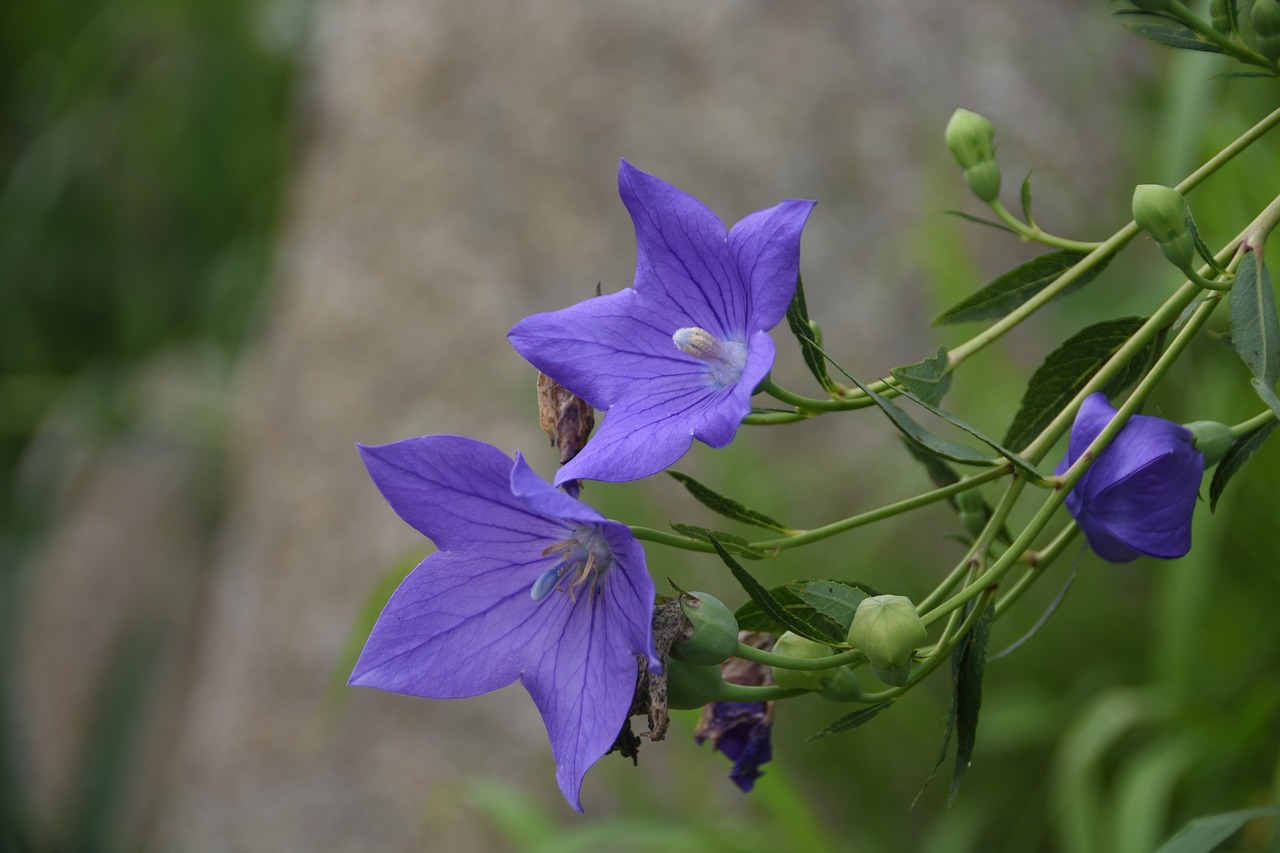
(147, 147)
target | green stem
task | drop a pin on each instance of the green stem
(748, 693)
(662, 537)
(773, 418)
(1033, 232)
(1038, 561)
(1254, 423)
(810, 406)
(1208, 31)
(755, 655)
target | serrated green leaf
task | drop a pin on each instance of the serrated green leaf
(1063, 374)
(810, 346)
(1204, 834)
(1204, 251)
(943, 447)
(1173, 35)
(736, 544)
(752, 618)
(727, 507)
(851, 721)
(1255, 331)
(837, 600)
(1235, 457)
(990, 223)
(972, 664)
(767, 603)
(929, 379)
(1024, 467)
(1018, 285)
(1026, 200)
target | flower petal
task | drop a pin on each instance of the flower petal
(1150, 510)
(459, 625)
(766, 248)
(545, 499)
(683, 263)
(456, 491)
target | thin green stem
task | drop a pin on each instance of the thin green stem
(1034, 233)
(662, 537)
(755, 655)
(1037, 561)
(1254, 423)
(811, 406)
(774, 418)
(748, 693)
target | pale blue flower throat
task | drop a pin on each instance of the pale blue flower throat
(726, 359)
(585, 557)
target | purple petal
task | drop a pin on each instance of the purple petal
(456, 491)
(459, 625)
(682, 257)
(766, 248)
(545, 499)
(1094, 415)
(1150, 510)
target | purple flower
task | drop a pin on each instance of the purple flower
(1138, 497)
(677, 356)
(741, 731)
(528, 584)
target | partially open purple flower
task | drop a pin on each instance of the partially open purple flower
(1138, 497)
(528, 584)
(741, 731)
(677, 356)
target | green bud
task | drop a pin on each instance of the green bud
(895, 676)
(1212, 439)
(984, 180)
(1266, 25)
(841, 687)
(715, 630)
(970, 138)
(794, 646)
(887, 629)
(1160, 211)
(691, 686)
(1220, 14)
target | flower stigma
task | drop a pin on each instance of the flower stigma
(726, 359)
(585, 557)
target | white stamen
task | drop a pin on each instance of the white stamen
(726, 359)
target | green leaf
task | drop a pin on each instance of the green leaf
(837, 600)
(1268, 395)
(1174, 35)
(1204, 834)
(810, 345)
(1024, 467)
(941, 475)
(852, 721)
(727, 506)
(1255, 331)
(751, 617)
(990, 223)
(971, 664)
(1204, 251)
(736, 544)
(1018, 285)
(1238, 454)
(771, 606)
(1065, 372)
(929, 379)
(937, 445)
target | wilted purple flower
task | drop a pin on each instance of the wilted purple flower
(741, 731)
(1138, 497)
(677, 356)
(528, 583)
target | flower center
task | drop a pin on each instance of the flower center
(584, 559)
(726, 359)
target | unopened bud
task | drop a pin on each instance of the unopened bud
(1266, 25)
(691, 686)
(887, 629)
(715, 630)
(1220, 14)
(794, 646)
(1160, 211)
(970, 138)
(1212, 439)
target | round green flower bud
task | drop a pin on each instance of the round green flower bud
(842, 687)
(1220, 16)
(715, 630)
(895, 676)
(691, 686)
(1212, 439)
(887, 629)
(1266, 24)
(794, 646)
(970, 138)
(1160, 211)
(984, 180)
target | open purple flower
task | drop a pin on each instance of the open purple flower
(1138, 497)
(528, 584)
(678, 355)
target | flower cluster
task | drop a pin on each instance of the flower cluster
(528, 583)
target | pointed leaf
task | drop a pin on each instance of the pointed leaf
(852, 721)
(929, 379)
(1024, 467)
(770, 605)
(937, 445)
(972, 666)
(1238, 454)
(1174, 35)
(1026, 200)
(1204, 251)
(1064, 373)
(727, 506)
(810, 345)
(1268, 396)
(736, 544)
(837, 600)
(1018, 285)
(1255, 332)
(990, 223)
(1204, 834)
(799, 598)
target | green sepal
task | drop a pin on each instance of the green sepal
(1018, 285)
(828, 605)
(1225, 15)
(767, 603)
(810, 346)
(1026, 201)
(1202, 249)
(1255, 331)
(1067, 370)
(851, 721)
(929, 379)
(1172, 34)
(1238, 454)
(727, 507)
(736, 544)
